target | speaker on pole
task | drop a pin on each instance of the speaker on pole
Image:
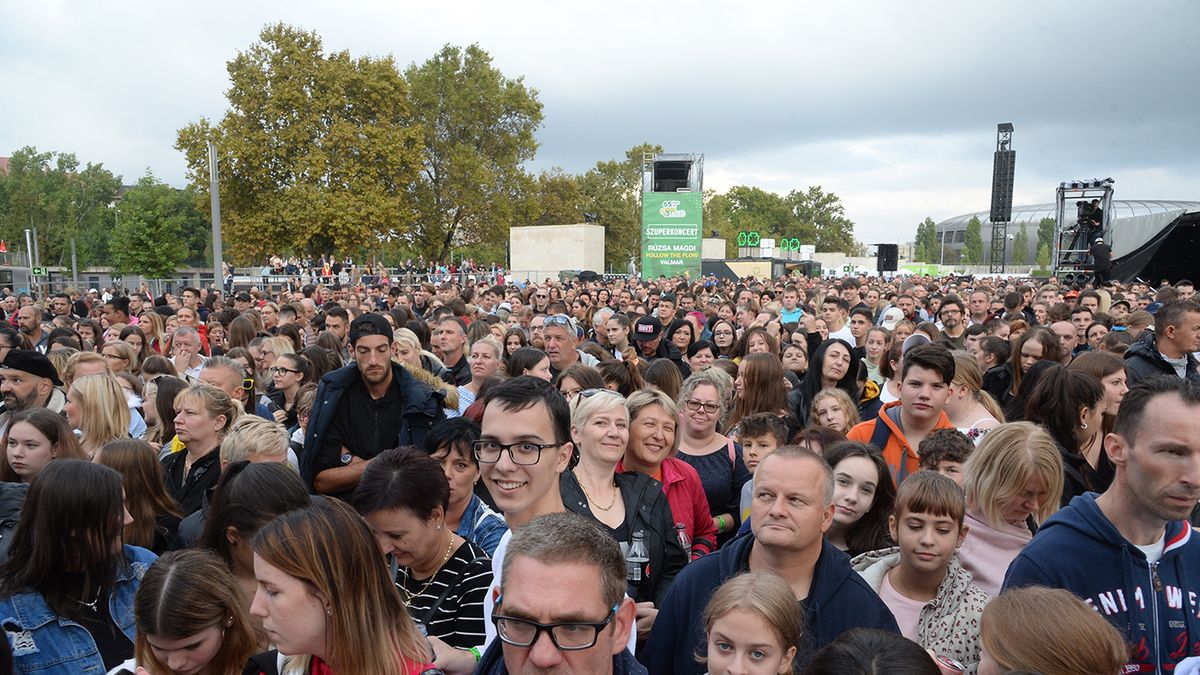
(887, 257)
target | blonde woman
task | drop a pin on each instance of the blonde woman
(1014, 481)
(406, 350)
(120, 356)
(833, 409)
(972, 410)
(203, 414)
(97, 408)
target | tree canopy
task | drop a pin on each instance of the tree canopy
(155, 223)
(318, 152)
(972, 249)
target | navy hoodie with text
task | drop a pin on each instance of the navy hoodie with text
(838, 600)
(1154, 605)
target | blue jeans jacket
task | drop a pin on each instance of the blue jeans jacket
(47, 644)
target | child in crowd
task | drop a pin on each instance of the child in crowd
(833, 408)
(753, 625)
(761, 434)
(920, 580)
(945, 451)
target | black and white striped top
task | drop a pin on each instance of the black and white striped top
(458, 618)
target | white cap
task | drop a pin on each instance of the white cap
(891, 317)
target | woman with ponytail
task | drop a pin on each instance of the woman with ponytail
(972, 410)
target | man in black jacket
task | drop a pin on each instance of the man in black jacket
(648, 334)
(363, 409)
(1168, 349)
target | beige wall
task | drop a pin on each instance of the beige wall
(540, 252)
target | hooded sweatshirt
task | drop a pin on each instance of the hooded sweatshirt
(1154, 605)
(949, 624)
(837, 601)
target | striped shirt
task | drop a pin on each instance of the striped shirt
(463, 581)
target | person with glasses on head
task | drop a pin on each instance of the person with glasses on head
(229, 376)
(625, 504)
(561, 340)
(561, 604)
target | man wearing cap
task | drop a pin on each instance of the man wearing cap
(363, 409)
(1101, 260)
(28, 380)
(648, 336)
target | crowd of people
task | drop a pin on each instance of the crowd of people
(855, 475)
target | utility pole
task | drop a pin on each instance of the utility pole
(74, 266)
(215, 201)
(29, 255)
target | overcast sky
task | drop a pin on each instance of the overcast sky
(893, 106)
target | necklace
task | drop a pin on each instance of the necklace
(90, 605)
(404, 571)
(612, 502)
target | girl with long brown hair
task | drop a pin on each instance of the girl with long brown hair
(760, 387)
(326, 599)
(189, 618)
(155, 514)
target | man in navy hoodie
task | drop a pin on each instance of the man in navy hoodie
(1130, 552)
(791, 509)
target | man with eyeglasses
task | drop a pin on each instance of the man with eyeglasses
(524, 446)
(649, 336)
(953, 325)
(561, 606)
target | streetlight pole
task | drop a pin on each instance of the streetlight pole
(942, 258)
(215, 202)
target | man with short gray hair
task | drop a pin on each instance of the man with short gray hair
(791, 509)
(185, 353)
(561, 604)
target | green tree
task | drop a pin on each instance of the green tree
(972, 249)
(613, 191)
(560, 199)
(318, 152)
(1043, 257)
(718, 217)
(1046, 228)
(1020, 245)
(926, 243)
(49, 192)
(478, 128)
(821, 213)
(152, 221)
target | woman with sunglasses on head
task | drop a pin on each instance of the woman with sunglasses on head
(629, 506)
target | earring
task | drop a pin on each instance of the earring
(1083, 425)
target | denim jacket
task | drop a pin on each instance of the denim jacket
(482, 525)
(44, 643)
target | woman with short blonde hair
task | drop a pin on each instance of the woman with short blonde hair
(1014, 478)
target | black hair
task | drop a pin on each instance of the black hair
(248, 496)
(456, 434)
(402, 478)
(523, 392)
(811, 384)
(524, 359)
(869, 533)
(997, 347)
(869, 651)
(1056, 399)
(62, 547)
(700, 345)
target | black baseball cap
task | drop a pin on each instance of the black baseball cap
(370, 324)
(646, 329)
(32, 362)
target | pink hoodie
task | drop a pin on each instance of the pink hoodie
(987, 551)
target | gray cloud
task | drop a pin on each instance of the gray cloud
(891, 105)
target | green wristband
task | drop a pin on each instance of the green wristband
(475, 651)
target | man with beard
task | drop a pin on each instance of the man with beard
(1130, 553)
(28, 380)
(954, 327)
(363, 409)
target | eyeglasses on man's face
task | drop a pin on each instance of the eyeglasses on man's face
(567, 636)
(522, 453)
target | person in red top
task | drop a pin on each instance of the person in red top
(653, 442)
(901, 426)
(327, 601)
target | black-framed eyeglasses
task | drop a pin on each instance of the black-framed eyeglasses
(281, 369)
(522, 453)
(697, 406)
(567, 636)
